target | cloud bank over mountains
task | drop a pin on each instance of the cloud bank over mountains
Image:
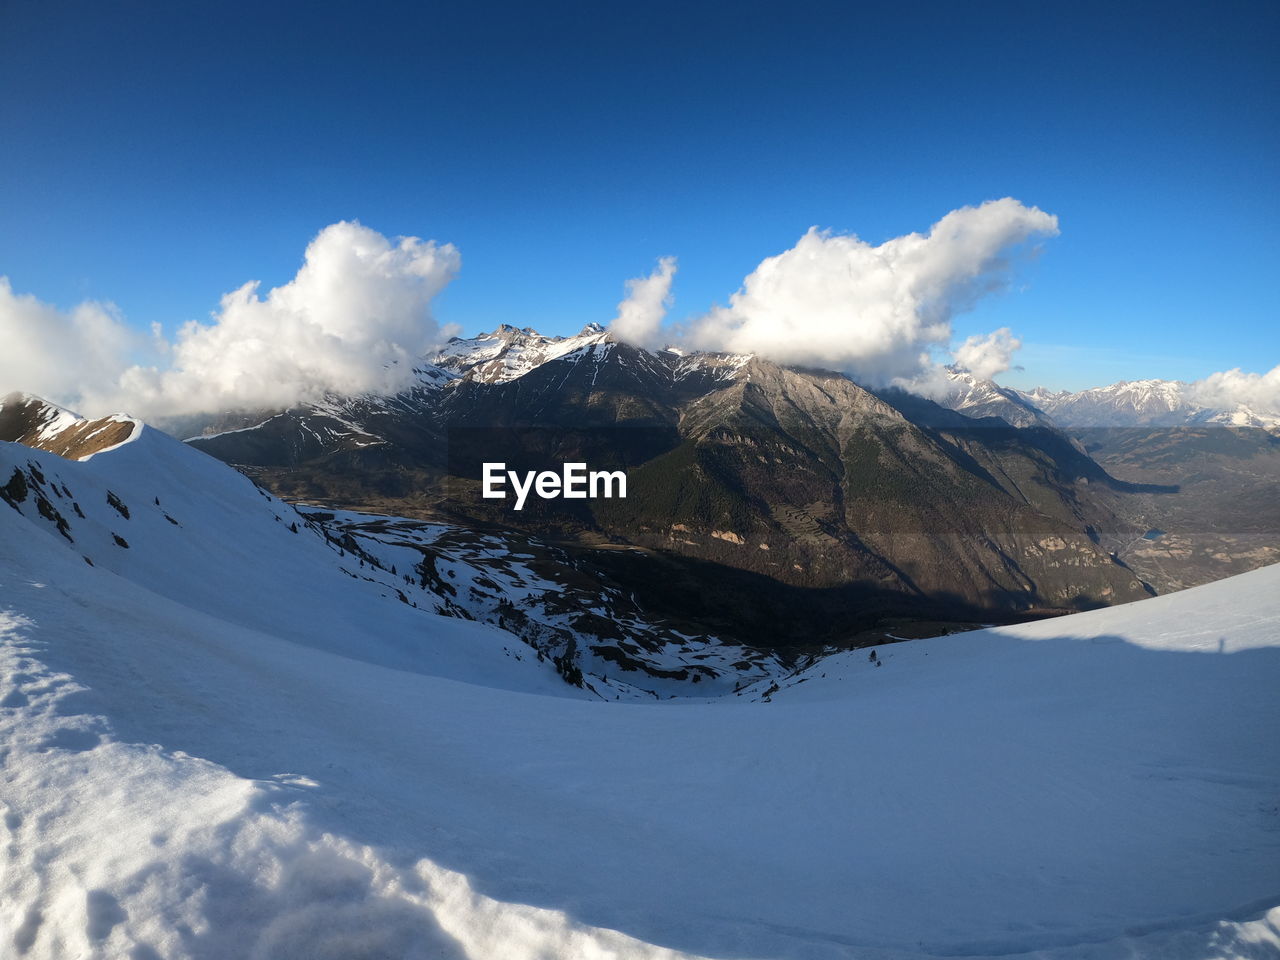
(353, 320)
(875, 312)
(1257, 391)
(358, 315)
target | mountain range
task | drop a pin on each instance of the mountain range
(754, 487)
(1129, 403)
(1140, 403)
(753, 483)
(232, 726)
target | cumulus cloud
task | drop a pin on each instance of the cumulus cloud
(640, 315)
(352, 320)
(1260, 392)
(989, 355)
(59, 354)
(876, 312)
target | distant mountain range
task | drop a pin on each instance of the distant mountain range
(1224, 464)
(1129, 403)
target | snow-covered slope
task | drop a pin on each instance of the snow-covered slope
(594, 632)
(236, 753)
(183, 526)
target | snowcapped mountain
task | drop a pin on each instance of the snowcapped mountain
(389, 455)
(509, 352)
(1210, 508)
(976, 397)
(761, 477)
(1130, 403)
(227, 730)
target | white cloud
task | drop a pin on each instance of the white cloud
(875, 312)
(1260, 392)
(59, 354)
(352, 320)
(640, 315)
(987, 356)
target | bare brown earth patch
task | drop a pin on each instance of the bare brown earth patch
(88, 437)
(32, 423)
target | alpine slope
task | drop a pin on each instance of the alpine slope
(225, 733)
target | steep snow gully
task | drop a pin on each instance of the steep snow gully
(222, 738)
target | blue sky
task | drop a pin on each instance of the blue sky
(157, 156)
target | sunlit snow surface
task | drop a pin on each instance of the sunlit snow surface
(225, 741)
